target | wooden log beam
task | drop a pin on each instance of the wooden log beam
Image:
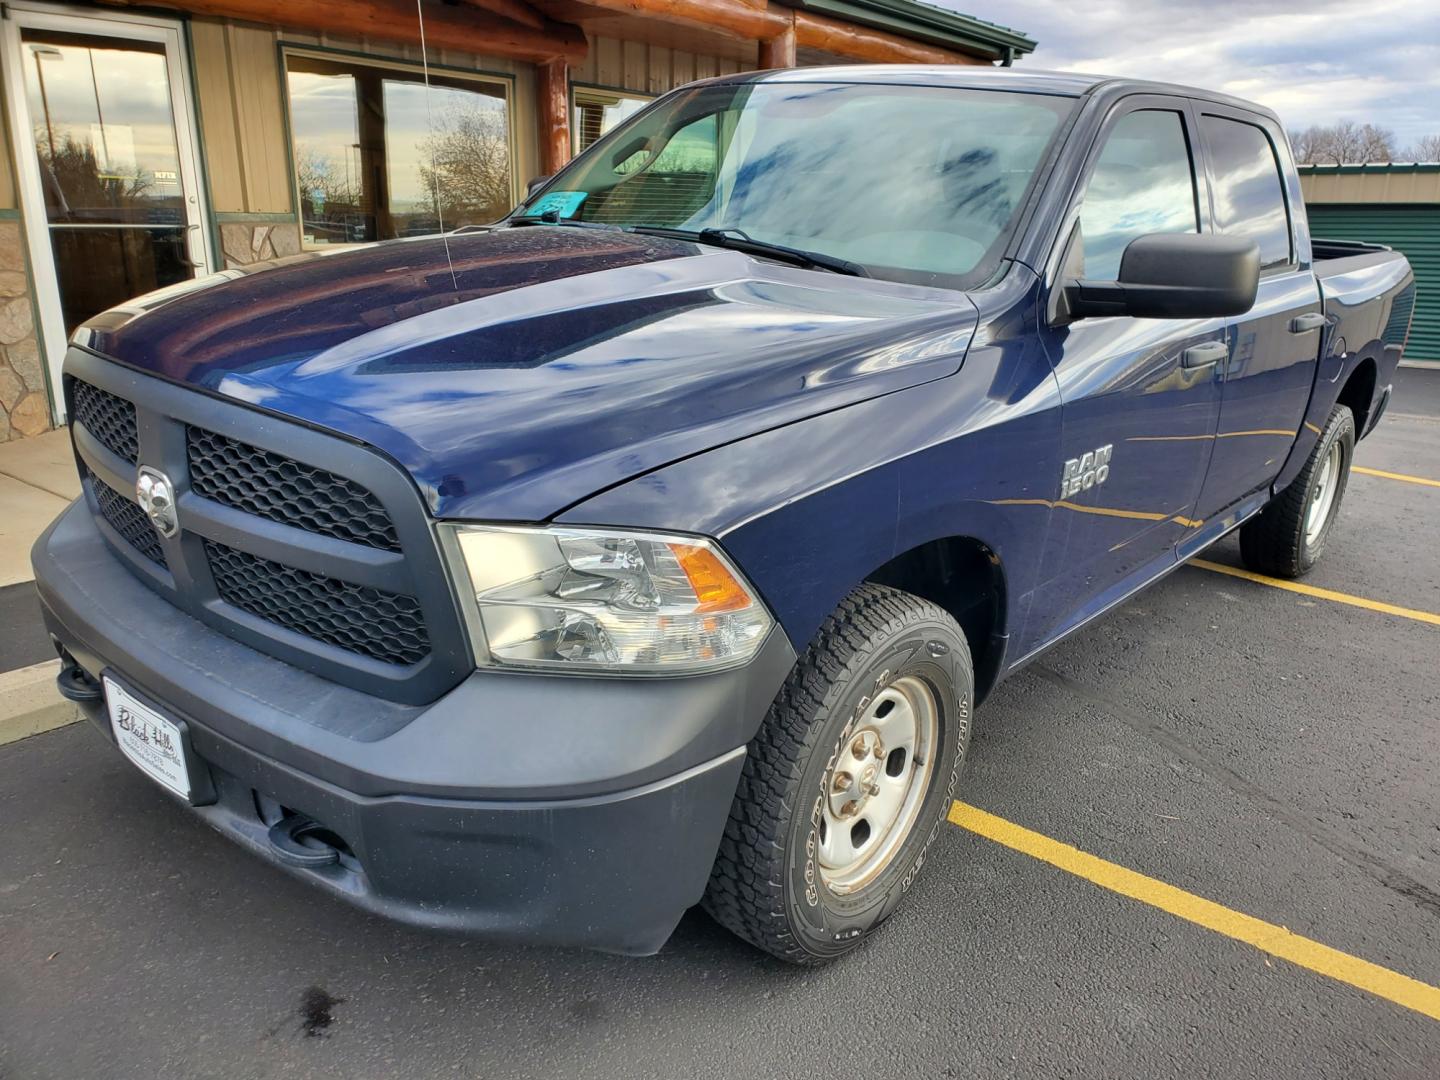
(874, 46)
(741, 19)
(514, 10)
(734, 18)
(553, 115)
(779, 51)
(446, 27)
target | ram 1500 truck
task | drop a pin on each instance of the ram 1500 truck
(655, 545)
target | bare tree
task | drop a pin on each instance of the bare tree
(1425, 148)
(320, 176)
(72, 176)
(468, 165)
(1346, 143)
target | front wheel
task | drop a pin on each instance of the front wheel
(1288, 537)
(849, 779)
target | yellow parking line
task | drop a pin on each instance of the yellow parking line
(1321, 594)
(1267, 937)
(1395, 476)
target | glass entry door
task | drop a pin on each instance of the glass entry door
(108, 175)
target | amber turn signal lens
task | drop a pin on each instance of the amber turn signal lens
(715, 587)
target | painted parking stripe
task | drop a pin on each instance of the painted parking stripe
(1319, 593)
(1278, 941)
(1406, 477)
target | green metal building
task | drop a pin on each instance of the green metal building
(1394, 204)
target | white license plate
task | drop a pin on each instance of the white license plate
(147, 738)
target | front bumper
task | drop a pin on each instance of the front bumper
(546, 809)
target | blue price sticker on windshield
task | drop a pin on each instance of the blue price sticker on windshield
(561, 203)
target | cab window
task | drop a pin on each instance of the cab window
(1143, 183)
(1249, 198)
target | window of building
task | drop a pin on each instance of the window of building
(1143, 183)
(597, 111)
(377, 157)
(1249, 198)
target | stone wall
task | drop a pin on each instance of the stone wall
(248, 242)
(24, 408)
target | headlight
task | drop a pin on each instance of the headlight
(585, 599)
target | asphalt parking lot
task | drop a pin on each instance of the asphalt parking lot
(1274, 752)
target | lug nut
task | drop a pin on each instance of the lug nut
(842, 782)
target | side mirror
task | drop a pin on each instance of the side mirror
(535, 185)
(1174, 276)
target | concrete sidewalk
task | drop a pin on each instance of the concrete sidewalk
(37, 481)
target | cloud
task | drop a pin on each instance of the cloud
(1329, 61)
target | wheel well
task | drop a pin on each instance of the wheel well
(964, 577)
(1358, 393)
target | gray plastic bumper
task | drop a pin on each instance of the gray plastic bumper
(562, 810)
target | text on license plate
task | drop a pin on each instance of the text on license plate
(148, 739)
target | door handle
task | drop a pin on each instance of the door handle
(1204, 354)
(187, 255)
(1303, 324)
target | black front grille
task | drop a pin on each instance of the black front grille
(128, 520)
(273, 486)
(292, 541)
(110, 419)
(383, 626)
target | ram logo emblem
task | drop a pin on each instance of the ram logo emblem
(1090, 469)
(156, 496)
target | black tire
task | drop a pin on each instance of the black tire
(766, 885)
(1274, 541)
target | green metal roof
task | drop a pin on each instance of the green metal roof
(1411, 228)
(925, 22)
(1375, 167)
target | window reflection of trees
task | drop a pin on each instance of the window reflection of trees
(73, 180)
(466, 160)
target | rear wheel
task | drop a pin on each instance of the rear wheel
(849, 779)
(1288, 537)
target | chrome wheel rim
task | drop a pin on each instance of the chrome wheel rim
(1323, 499)
(876, 785)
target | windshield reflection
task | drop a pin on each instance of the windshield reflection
(913, 183)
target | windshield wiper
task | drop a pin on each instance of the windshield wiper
(739, 240)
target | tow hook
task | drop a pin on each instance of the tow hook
(285, 838)
(75, 683)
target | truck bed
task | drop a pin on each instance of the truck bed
(1368, 293)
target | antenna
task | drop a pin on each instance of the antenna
(430, 130)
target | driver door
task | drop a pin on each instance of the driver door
(1141, 397)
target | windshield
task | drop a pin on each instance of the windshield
(913, 183)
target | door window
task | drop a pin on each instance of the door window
(1143, 183)
(103, 131)
(1249, 198)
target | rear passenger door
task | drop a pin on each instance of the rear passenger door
(1273, 354)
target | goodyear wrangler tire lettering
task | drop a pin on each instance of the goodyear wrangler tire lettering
(784, 878)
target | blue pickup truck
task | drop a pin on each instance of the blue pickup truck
(655, 545)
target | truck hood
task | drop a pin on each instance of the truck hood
(527, 368)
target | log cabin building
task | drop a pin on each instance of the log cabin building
(149, 143)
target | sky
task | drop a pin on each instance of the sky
(1320, 62)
